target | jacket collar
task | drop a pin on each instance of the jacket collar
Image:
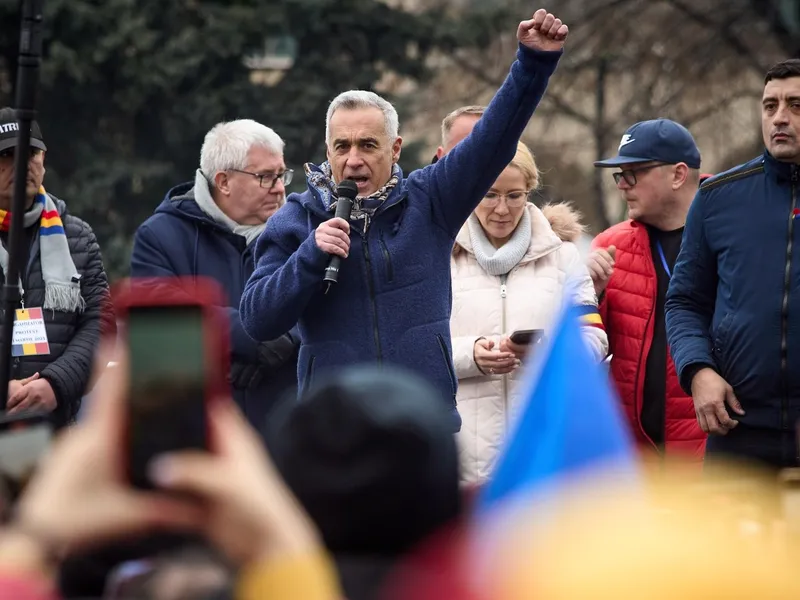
(782, 171)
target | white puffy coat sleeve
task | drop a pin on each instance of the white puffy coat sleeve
(464, 356)
(591, 324)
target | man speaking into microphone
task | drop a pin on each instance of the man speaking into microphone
(392, 301)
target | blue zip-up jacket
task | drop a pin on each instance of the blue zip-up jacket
(180, 240)
(734, 299)
(393, 299)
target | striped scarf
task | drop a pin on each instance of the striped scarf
(364, 207)
(62, 282)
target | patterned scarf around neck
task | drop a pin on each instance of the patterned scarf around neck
(62, 283)
(364, 207)
(499, 261)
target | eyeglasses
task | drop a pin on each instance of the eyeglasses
(268, 180)
(630, 174)
(513, 199)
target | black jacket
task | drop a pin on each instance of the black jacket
(73, 337)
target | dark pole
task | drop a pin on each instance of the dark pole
(30, 52)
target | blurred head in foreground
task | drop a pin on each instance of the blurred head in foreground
(670, 542)
(371, 456)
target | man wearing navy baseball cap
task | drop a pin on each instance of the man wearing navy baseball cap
(63, 280)
(660, 140)
(658, 174)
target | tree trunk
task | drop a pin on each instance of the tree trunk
(600, 141)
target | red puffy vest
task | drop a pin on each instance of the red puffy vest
(628, 312)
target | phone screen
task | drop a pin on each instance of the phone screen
(166, 401)
(527, 336)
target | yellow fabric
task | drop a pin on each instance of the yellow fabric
(668, 544)
(310, 577)
(593, 318)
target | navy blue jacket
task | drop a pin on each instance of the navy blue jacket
(181, 240)
(734, 299)
(393, 299)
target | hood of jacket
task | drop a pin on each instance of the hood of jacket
(551, 225)
(180, 203)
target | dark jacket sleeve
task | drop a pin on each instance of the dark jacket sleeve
(289, 269)
(69, 374)
(274, 354)
(691, 298)
(460, 179)
(150, 259)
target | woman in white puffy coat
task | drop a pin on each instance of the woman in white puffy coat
(509, 265)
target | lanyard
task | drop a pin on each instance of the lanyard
(663, 259)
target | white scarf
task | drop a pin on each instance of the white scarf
(202, 195)
(499, 261)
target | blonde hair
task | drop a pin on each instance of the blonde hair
(447, 124)
(525, 163)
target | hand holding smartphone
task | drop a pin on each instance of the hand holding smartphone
(525, 337)
(177, 343)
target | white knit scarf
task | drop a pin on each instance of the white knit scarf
(202, 195)
(499, 261)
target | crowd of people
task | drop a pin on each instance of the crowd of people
(365, 416)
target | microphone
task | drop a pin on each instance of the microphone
(346, 192)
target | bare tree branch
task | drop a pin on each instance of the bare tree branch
(724, 31)
(717, 105)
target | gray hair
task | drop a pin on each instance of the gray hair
(226, 145)
(355, 99)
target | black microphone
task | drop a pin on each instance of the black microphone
(346, 192)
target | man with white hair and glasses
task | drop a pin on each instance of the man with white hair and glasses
(206, 228)
(392, 302)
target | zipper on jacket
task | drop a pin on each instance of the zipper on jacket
(503, 291)
(371, 288)
(636, 384)
(387, 259)
(447, 356)
(787, 275)
(309, 372)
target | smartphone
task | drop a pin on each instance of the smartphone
(177, 344)
(25, 438)
(527, 336)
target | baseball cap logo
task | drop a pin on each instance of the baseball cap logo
(8, 127)
(626, 139)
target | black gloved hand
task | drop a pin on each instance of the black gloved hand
(276, 353)
(245, 376)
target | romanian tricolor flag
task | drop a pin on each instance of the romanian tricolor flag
(30, 314)
(589, 315)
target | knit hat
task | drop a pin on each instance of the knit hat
(371, 456)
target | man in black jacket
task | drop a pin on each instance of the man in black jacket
(62, 273)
